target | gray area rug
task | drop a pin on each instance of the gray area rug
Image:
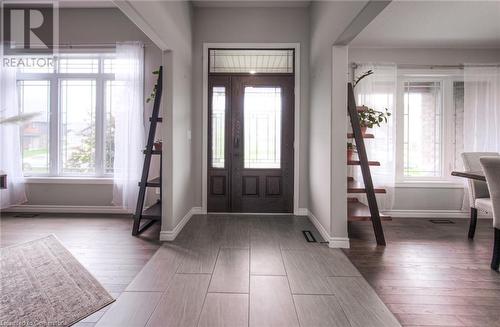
(42, 284)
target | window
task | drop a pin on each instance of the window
(111, 88)
(262, 124)
(73, 134)
(34, 96)
(422, 129)
(218, 126)
(430, 116)
(458, 126)
(78, 126)
(251, 61)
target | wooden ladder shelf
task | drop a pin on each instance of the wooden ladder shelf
(153, 213)
(357, 211)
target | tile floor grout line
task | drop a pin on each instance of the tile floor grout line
(208, 287)
(156, 306)
(249, 274)
(290, 288)
(164, 291)
(121, 293)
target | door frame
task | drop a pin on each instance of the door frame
(296, 155)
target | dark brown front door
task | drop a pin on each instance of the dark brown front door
(250, 143)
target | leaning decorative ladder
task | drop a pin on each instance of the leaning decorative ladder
(153, 213)
(357, 211)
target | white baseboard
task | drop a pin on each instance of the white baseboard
(319, 227)
(427, 213)
(170, 235)
(333, 242)
(31, 208)
(339, 242)
(248, 213)
(301, 212)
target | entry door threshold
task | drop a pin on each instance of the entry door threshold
(252, 213)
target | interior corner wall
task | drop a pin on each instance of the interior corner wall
(327, 21)
(93, 26)
(171, 22)
(446, 199)
(250, 25)
(338, 197)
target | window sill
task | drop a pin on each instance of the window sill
(69, 180)
(428, 184)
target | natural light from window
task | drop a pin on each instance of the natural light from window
(73, 134)
(262, 127)
(218, 126)
(422, 129)
(34, 97)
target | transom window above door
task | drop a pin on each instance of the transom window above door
(253, 61)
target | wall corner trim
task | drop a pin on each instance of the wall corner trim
(170, 236)
(333, 242)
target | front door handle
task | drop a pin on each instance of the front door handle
(236, 142)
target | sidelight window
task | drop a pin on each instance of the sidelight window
(218, 126)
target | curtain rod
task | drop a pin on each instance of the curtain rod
(460, 66)
(81, 45)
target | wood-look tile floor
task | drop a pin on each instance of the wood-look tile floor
(429, 274)
(254, 271)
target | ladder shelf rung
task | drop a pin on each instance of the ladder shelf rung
(358, 163)
(357, 211)
(354, 187)
(153, 212)
(366, 136)
(155, 182)
(154, 152)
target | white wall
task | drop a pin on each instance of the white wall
(83, 26)
(447, 199)
(250, 25)
(328, 20)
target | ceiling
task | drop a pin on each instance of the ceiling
(441, 24)
(250, 4)
(196, 3)
(86, 4)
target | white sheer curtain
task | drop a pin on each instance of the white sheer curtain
(10, 145)
(378, 91)
(128, 107)
(482, 108)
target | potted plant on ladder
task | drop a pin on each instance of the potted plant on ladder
(369, 117)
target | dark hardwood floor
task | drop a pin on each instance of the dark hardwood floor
(102, 243)
(431, 274)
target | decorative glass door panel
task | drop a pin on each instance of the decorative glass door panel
(262, 121)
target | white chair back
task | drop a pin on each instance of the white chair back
(477, 189)
(491, 167)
